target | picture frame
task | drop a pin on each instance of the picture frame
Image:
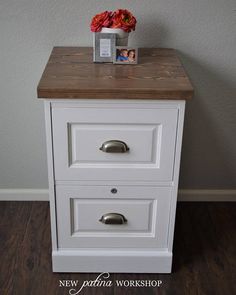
(125, 55)
(104, 47)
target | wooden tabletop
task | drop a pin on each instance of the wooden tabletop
(71, 73)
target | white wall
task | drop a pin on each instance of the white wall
(204, 32)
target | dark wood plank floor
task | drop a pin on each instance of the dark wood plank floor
(204, 254)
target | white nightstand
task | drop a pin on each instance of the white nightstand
(114, 137)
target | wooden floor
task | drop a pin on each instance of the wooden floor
(204, 254)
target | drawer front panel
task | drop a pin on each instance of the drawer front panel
(80, 211)
(79, 133)
(87, 213)
(86, 140)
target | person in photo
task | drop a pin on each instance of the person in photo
(123, 55)
(131, 55)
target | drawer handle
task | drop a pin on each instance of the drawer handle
(114, 146)
(113, 218)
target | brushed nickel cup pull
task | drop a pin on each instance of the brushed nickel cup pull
(113, 218)
(114, 146)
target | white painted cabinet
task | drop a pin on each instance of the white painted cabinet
(114, 136)
(113, 171)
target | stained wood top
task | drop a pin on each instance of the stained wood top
(71, 73)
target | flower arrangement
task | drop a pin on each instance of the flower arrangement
(119, 19)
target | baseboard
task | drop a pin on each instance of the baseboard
(189, 195)
(207, 195)
(24, 195)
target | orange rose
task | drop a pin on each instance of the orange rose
(123, 19)
(101, 20)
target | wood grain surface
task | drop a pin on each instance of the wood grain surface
(204, 254)
(71, 73)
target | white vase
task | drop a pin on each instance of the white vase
(121, 35)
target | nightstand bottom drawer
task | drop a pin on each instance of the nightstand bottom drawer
(108, 217)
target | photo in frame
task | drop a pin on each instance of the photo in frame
(104, 47)
(125, 55)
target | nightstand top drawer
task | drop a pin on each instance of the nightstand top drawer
(70, 73)
(110, 143)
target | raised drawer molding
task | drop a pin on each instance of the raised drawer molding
(114, 137)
